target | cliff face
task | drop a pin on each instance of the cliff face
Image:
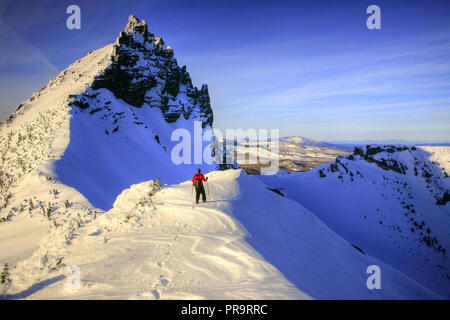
(145, 72)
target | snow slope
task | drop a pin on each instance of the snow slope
(105, 122)
(31, 141)
(246, 242)
(77, 143)
(385, 201)
(101, 165)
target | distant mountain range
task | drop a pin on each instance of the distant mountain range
(294, 153)
(310, 142)
(353, 143)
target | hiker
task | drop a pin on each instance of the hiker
(197, 180)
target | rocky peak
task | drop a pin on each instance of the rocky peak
(144, 72)
(134, 25)
(137, 36)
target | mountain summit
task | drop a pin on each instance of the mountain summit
(108, 119)
(144, 71)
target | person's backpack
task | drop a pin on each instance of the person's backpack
(193, 182)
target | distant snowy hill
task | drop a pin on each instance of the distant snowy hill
(295, 153)
(309, 142)
(355, 143)
(391, 202)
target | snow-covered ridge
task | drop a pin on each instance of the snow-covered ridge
(63, 156)
(39, 130)
(246, 243)
(390, 201)
(395, 158)
(32, 200)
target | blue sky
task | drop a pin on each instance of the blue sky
(309, 68)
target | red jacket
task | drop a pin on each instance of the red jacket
(197, 178)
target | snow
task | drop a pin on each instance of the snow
(76, 191)
(245, 243)
(23, 236)
(167, 249)
(301, 141)
(440, 155)
(377, 209)
(101, 165)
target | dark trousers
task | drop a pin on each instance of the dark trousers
(199, 189)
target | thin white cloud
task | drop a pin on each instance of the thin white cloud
(20, 51)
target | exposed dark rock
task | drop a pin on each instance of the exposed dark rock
(95, 110)
(370, 151)
(321, 174)
(358, 152)
(391, 164)
(358, 248)
(277, 191)
(445, 198)
(80, 104)
(386, 164)
(145, 72)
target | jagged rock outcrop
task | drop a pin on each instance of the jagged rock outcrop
(386, 163)
(145, 72)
